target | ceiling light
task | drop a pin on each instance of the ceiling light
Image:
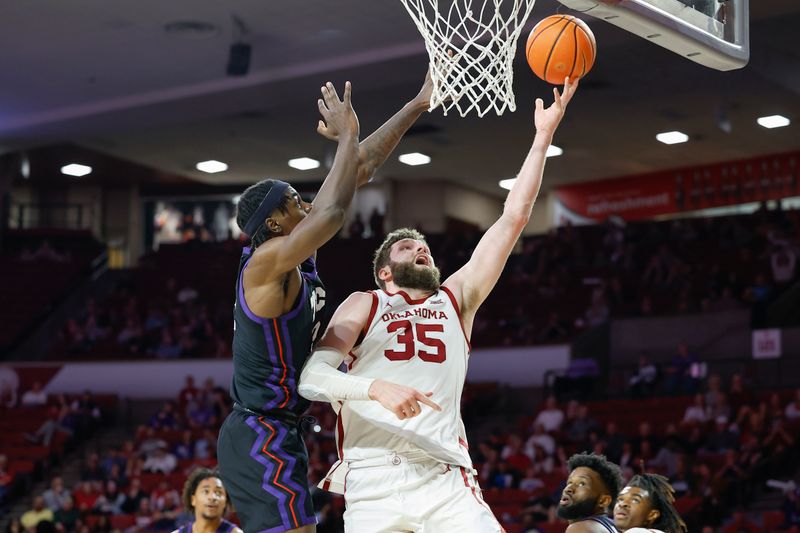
(74, 169)
(414, 158)
(672, 137)
(507, 183)
(553, 151)
(773, 121)
(211, 166)
(304, 163)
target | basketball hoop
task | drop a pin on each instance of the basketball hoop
(482, 37)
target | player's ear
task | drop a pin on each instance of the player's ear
(273, 226)
(603, 502)
(652, 516)
(385, 274)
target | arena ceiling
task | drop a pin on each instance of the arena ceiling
(108, 76)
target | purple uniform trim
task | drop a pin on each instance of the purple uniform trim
(302, 492)
(255, 453)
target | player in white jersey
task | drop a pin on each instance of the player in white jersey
(405, 468)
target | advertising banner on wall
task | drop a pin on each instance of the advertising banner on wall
(680, 190)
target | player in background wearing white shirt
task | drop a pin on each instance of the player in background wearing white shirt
(646, 505)
(405, 468)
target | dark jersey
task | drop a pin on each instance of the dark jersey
(269, 353)
(224, 527)
(605, 522)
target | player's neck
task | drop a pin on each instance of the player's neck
(414, 294)
(203, 525)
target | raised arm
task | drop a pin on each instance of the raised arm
(281, 254)
(321, 380)
(375, 149)
(475, 280)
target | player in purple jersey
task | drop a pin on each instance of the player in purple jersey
(279, 312)
(205, 497)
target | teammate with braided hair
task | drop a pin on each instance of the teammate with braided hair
(646, 505)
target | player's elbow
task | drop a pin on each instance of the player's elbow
(332, 216)
(517, 217)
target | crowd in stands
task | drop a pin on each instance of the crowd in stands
(136, 485)
(719, 448)
(36, 431)
(579, 277)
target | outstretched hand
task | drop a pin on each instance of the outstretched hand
(339, 118)
(547, 120)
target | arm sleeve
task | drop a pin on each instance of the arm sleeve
(321, 380)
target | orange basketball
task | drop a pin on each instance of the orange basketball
(560, 46)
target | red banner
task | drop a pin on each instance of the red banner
(687, 189)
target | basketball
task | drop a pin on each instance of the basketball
(560, 46)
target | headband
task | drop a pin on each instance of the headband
(268, 204)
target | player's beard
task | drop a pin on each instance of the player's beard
(407, 275)
(577, 510)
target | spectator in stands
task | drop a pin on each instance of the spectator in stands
(614, 441)
(591, 490)
(150, 442)
(540, 445)
(376, 223)
(67, 516)
(85, 496)
(184, 448)
(647, 501)
(598, 312)
(356, 228)
(167, 348)
(34, 397)
(579, 428)
(92, 471)
(144, 514)
(551, 417)
(205, 446)
(187, 394)
(680, 376)
(9, 384)
(38, 513)
(165, 418)
(697, 413)
(133, 497)
(131, 336)
(160, 460)
(56, 495)
(512, 453)
(721, 438)
(114, 458)
(644, 381)
(110, 502)
(58, 420)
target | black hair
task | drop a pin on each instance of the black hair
(193, 481)
(248, 204)
(662, 496)
(608, 471)
(381, 257)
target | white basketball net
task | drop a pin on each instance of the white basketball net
(482, 35)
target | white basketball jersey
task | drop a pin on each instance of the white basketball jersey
(420, 344)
